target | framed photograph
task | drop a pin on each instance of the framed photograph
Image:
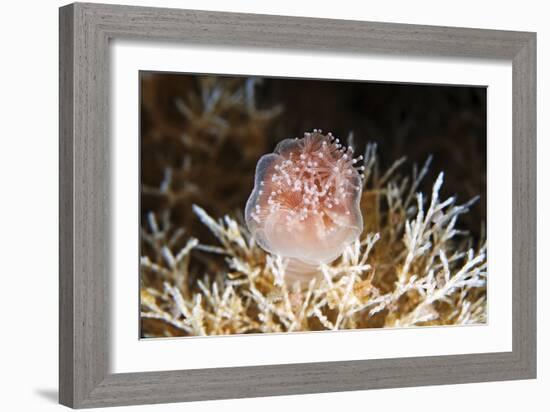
(256, 205)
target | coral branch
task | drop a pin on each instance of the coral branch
(410, 267)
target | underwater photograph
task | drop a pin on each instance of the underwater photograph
(276, 205)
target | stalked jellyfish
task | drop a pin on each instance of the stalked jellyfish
(305, 202)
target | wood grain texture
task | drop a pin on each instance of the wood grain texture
(66, 216)
(85, 31)
(524, 227)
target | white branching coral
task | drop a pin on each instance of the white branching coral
(411, 266)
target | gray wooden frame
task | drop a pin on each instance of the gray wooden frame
(85, 31)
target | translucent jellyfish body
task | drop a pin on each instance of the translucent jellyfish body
(305, 202)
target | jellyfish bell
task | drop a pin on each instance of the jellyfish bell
(305, 203)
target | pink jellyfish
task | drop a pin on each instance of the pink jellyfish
(305, 202)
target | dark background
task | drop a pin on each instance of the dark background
(213, 153)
